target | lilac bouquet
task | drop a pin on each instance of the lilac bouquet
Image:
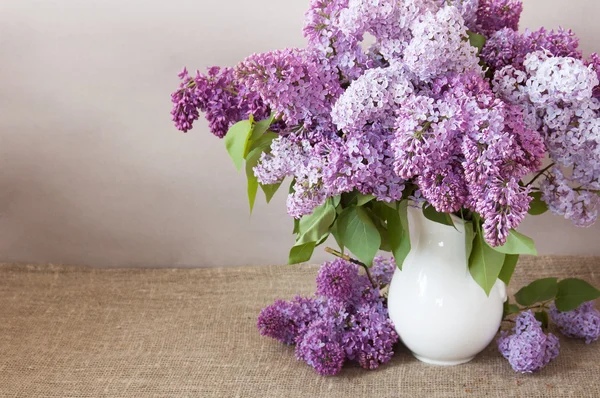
(451, 109)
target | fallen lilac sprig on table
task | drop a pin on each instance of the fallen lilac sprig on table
(346, 320)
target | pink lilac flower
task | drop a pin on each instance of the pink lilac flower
(347, 320)
(383, 270)
(581, 323)
(364, 162)
(338, 52)
(528, 349)
(219, 95)
(285, 320)
(579, 206)
(320, 347)
(438, 45)
(371, 337)
(372, 98)
(337, 280)
(291, 82)
(494, 15)
(509, 47)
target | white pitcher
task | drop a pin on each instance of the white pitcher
(441, 314)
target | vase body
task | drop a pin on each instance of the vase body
(440, 313)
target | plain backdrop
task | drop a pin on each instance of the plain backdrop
(92, 171)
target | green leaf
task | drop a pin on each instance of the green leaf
(314, 226)
(537, 292)
(236, 141)
(270, 190)
(362, 200)
(336, 235)
(537, 205)
(323, 239)
(301, 253)
(574, 292)
(469, 236)
(264, 142)
(398, 233)
(517, 243)
(508, 269)
(296, 226)
(260, 128)
(485, 264)
(336, 200)
(432, 214)
(359, 233)
(476, 40)
(252, 189)
(510, 309)
(542, 316)
(349, 198)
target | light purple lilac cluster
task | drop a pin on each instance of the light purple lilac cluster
(557, 98)
(581, 323)
(347, 319)
(528, 349)
(419, 107)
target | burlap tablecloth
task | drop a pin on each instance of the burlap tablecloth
(81, 332)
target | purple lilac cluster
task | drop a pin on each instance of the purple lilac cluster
(528, 349)
(557, 96)
(581, 323)
(509, 47)
(219, 95)
(494, 15)
(346, 320)
(420, 107)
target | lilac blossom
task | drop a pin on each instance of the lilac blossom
(371, 337)
(579, 206)
(338, 52)
(383, 269)
(581, 323)
(346, 320)
(438, 45)
(528, 349)
(219, 95)
(372, 98)
(508, 47)
(291, 82)
(494, 15)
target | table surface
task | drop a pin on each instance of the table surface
(83, 332)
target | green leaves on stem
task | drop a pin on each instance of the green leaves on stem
(574, 292)
(517, 243)
(248, 140)
(359, 234)
(432, 214)
(485, 263)
(568, 294)
(537, 292)
(537, 205)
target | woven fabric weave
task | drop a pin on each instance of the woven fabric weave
(83, 332)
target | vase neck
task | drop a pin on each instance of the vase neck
(431, 236)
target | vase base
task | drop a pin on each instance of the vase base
(442, 362)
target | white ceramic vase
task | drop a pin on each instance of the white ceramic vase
(441, 314)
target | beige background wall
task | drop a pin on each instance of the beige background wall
(91, 169)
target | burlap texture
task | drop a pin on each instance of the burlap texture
(81, 332)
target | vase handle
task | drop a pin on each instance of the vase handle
(502, 291)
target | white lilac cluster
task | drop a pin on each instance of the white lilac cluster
(421, 108)
(439, 45)
(557, 96)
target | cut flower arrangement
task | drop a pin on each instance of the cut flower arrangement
(451, 112)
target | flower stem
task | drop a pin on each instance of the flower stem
(541, 173)
(352, 260)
